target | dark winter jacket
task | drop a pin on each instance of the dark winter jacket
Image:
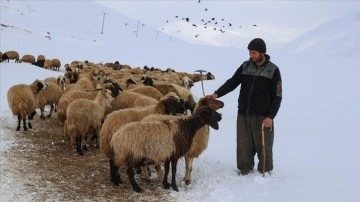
(261, 88)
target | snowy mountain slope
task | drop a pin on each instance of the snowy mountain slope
(336, 37)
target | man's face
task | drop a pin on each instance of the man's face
(255, 56)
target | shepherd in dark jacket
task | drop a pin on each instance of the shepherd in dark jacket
(258, 103)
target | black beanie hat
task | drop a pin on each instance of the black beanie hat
(258, 45)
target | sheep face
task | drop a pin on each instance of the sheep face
(40, 85)
(211, 116)
(209, 102)
(174, 105)
(148, 81)
(210, 76)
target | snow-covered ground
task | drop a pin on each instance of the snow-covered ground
(316, 136)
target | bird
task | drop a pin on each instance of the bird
(206, 9)
(197, 35)
(187, 19)
(199, 1)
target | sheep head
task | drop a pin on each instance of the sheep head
(210, 76)
(173, 104)
(210, 116)
(39, 85)
(210, 102)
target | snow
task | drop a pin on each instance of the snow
(316, 152)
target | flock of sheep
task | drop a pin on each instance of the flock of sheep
(53, 64)
(136, 116)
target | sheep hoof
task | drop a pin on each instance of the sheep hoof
(166, 185)
(30, 126)
(175, 187)
(48, 116)
(187, 182)
(81, 153)
(18, 128)
(137, 189)
(25, 128)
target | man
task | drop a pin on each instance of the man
(258, 103)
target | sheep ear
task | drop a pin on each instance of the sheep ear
(214, 125)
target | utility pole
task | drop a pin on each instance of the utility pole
(137, 28)
(102, 30)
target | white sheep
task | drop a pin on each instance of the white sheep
(22, 101)
(140, 143)
(50, 97)
(201, 139)
(169, 104)
(85, 117)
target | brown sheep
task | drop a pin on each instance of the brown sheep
(169, 104)
(47, 64)
(70, 96)
(129, 99)
(40, 58)
(50, 97)
(10, 55)
(141, 143)
(55, 64)
(201, 138)
(22, 101)
(85, 117)
(28, 59)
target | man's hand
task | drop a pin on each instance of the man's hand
(268, 122)
(213, 96)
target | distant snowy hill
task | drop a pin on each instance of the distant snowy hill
(336, 37)
(66, 30)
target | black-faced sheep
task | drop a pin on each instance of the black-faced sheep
(85, 117)
(22, 101)
(28, 59)
(139, 143)
(201, 139)
(50, 97)
(169, 104)
(10, 55)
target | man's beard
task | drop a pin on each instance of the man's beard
(259, 59)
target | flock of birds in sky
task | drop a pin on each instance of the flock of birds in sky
(217, 24)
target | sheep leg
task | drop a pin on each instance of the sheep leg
(165, 183)
(188, 166)
(145, 173)
(78, 145)
(159, 172)
(114, 174)
(42, 116)
(19, 122)
(173, 176)
(51, 110)
(130, 173)
(29, 124)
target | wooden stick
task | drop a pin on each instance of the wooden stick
(263, 148)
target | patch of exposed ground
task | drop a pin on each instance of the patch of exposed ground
(44, 164)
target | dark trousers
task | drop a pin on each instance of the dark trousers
(249, 143)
